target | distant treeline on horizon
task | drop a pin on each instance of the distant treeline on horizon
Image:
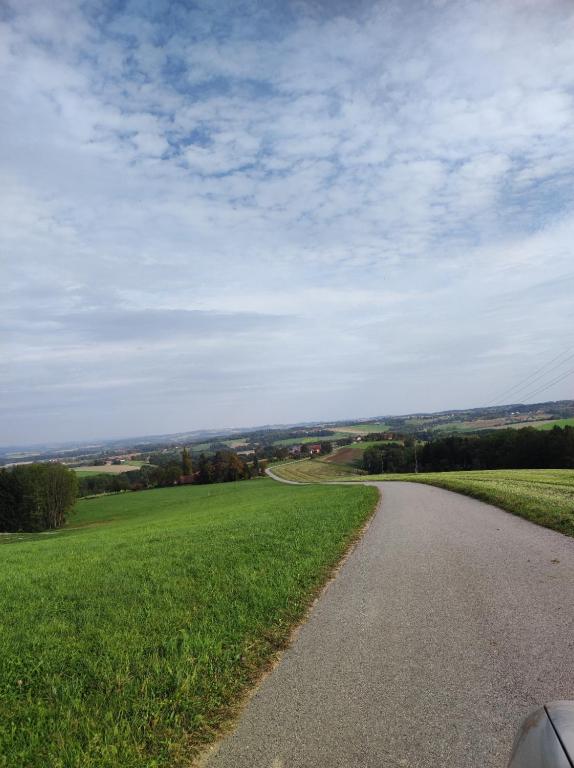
(526, 448)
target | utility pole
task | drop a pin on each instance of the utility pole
(416, 458)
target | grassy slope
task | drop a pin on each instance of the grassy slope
(128, 637)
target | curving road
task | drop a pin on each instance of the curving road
(446, 625)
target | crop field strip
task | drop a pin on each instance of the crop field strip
(129, 637)
(314, 471)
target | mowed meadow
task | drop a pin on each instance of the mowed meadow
(129, 637)
(543, 496)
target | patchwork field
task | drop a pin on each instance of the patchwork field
(129, 637)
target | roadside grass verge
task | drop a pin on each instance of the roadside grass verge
(130, 637)
(544, 496)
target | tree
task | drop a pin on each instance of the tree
(36, 497)
(186, 468)
(204, 469)
(373, 460)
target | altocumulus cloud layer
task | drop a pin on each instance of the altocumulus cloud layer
(230, 212)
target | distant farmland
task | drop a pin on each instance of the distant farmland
(482, 424)
(107, 469)
(361, 429)
(310, 439)
(545, 424)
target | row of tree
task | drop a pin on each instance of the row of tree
(389, 457)
(526, 448)
(222, 467)
(36, 497)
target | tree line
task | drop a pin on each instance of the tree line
(526, 448)
(222, 467)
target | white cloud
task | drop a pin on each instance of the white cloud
(396, 179)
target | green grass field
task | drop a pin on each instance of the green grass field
(129, 637)
(551, 424)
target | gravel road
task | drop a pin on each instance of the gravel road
(447, 624)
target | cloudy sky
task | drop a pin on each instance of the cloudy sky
(233, 212)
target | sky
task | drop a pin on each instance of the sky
(228, 213)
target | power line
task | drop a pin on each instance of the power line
(550, 384)
(537, 375)
(508, 390)
(527, 383)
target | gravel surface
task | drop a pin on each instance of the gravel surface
(449, 622)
